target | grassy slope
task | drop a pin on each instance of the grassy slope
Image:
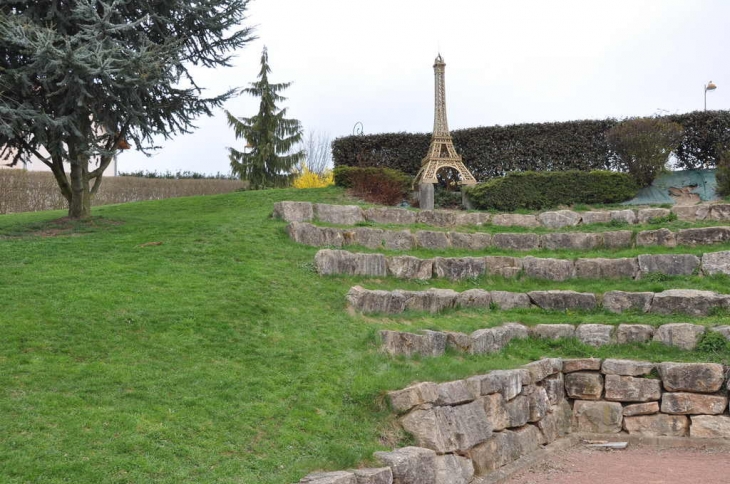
(218, 356)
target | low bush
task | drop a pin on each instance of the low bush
(383, 186)
(309, 179)
(540, 190)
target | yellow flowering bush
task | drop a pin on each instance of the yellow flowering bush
(308, 179)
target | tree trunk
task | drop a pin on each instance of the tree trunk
(79, 207)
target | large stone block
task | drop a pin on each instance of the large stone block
(457, 269)
(620, 301)
(398, 240)
(563, 300)
(380, 475)
(720, 211)
(693, 403)
(618, 239)
(550, 269)
(581, 364)
(502, 266)
(595, 334)
(294, 211)
(687, 301)
(367, 301)
(538, 402)
(517, 241)
(599, 268)
(692, 377)
(509, 382)
(515, 220)
(453, 393)
(410, 465)
(395, 216)
(669, 264)
(337, 477)
(597, 417)
(328, 262)
(510, 300)
(397, 343)
(723, 330)
(630, 389)
(710, 427)
(474, 298)
(504, 414)
(432, 300)
(429, 239)
(687, 213)
(661, 237)
(458, 341)
(682, 335)
(628, 216)
(571, 240)
(529, 438)
(541, 369)
(645, 215)
(338, 214)
(364, 236)
(449, 429)
(557, 422)
(626, 367)
(453, 469)
(437, 218)
(633, 333)
(596, 217)
(648, 408)
(559, 219)
(584, 385)
(499, 450)
(483, 341)
(553, 331)
(477, 241)
(657, 425)
(403, 400)
(703, 236)
(716, 263)
(308, 234)
(476, 219)
(408, 267)
(554, 388)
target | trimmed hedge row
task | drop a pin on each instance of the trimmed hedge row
(346, 176)
(494, 151)
(541, 190)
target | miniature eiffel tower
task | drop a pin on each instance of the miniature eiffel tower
(441, 153)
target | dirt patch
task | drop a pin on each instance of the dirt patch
(62, 227)
(637, 464)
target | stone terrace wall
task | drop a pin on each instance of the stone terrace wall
(352, 214)
(467, 429)
(341, 262)
(672, 301)
(372, 238)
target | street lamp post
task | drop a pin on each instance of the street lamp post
(708, 87)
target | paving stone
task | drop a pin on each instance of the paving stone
(397, 343)
(693, 403)
(716, 263)
(657, 425)
(631, 389)
(687, 301)
(633, 333)
(584, 385)
(571, 240)
(581, 364)
(645, 215)
(626, 367)
(338, 214)
(595, 334)
(294, 211)
(599, 268)
(692, 377)
(710, 427)
(329, 262)
(395, 216)
(474, 298)
(448, 429)
(648, 408)
(563, 300)
(308, 234)
(682, 335)
(669, 264)
(380, 475)
(510, 300)
(460, 268)
(661, 237)
(618, 239)
(597, 417)
(550, 269)
(628, 216)
(553, 331)
(421, 393)
(478, 241)
(408, 267)
(516, 241)
(378, 301)
(410, 465)
(515, 220)
(337, 477)
(703, 236)
(559, 219)
(429, 239)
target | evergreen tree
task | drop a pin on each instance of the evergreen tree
(80, 79)
(270, 136)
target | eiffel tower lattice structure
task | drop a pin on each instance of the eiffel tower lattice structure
(441, 153)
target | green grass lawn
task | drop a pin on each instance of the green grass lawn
(215, 356)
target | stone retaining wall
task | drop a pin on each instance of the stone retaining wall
(308, 234)
(467, 429)
(673, 301)
(490, 340)
(352, 214)
(342, 262)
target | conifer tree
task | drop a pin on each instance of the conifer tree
(270, 135)
(80, 79)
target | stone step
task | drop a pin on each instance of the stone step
(674, 301)
(341, 262)
(375, 238)
(352, 215)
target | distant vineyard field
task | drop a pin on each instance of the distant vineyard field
(26, 191)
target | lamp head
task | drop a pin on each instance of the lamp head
(710, 86)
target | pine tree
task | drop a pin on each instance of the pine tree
(270, 135)
(80, 79)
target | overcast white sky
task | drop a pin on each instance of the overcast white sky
(507, 62)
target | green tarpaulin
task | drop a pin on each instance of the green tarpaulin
(700, 182)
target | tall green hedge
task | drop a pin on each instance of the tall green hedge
(540, 190)
(494, 151)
